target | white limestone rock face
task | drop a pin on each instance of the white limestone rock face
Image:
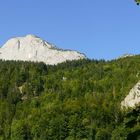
(33, 48)
(133, 98)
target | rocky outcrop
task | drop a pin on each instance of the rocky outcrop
(125, 55)
(33, 48)
(133, 98)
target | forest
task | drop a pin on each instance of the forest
(75, 100)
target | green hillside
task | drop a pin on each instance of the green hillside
(77, 100)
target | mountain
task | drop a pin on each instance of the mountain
(33, 48)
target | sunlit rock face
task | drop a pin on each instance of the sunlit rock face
(133, 98)
(33, 48)
(125, 55)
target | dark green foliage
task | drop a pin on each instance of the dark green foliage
(76, 100)
(137, 2)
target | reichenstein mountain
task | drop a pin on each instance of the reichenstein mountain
(33, 48)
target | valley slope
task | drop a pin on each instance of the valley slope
(76, 100)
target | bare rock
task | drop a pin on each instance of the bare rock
(133, 98)
(33, 48)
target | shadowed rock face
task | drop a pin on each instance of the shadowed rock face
(33, 48)
(133, 98)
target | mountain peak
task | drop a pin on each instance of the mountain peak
(33, 48)
(31, 36)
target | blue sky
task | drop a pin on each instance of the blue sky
(102, 29)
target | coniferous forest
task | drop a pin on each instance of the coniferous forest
(77, 100)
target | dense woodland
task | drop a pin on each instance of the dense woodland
(77, 100)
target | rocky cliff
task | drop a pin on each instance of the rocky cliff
(33, 48)
(133, 98)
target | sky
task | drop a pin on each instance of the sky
(101, 29)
